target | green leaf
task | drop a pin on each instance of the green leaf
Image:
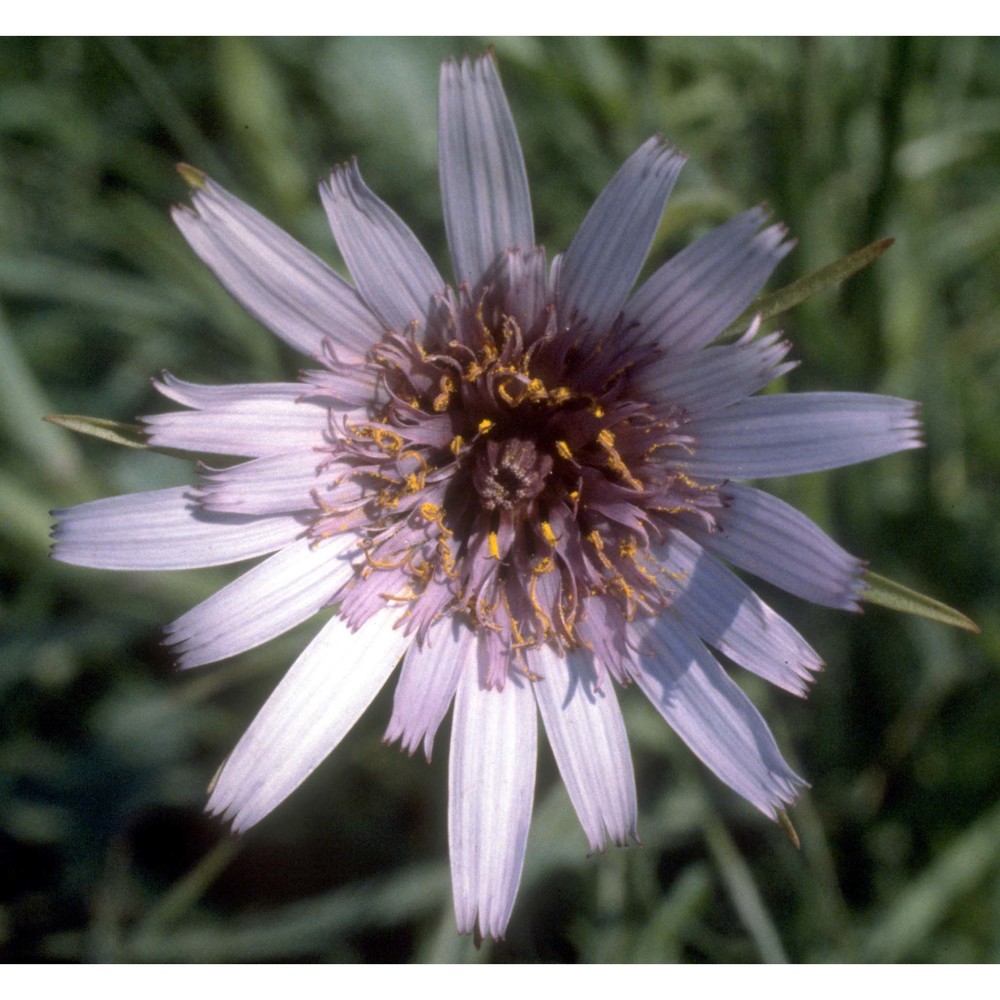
(127, 435)
(774, 303)
(889, 594)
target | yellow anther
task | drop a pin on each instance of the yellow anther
(388, 441)
(456, 444)
(515, 625)
(564, 450)
(485, 425)
(543, 618)
(548, 534)
(616, 464)
(386, 563)
(494, 545)
(430, 511)
(447, 389)
(606, 438)
(506, 395)
(447, 559)
(560, 394)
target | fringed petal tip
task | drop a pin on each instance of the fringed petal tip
(484, 184)
(612, 840)
(277, 280)
(395, 276)
(605, 256)
(854, 588)
(783, 800)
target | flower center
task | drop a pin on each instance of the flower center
(509, 472)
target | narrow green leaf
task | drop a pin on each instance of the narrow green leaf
(774, 303)
(744, 893)
(127, 435)
(889, 594)
(184, 895)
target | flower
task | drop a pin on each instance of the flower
(520, 486)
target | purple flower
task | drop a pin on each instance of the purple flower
(520, 486)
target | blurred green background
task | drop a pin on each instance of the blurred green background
(106, 751)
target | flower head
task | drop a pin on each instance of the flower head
(519, 485)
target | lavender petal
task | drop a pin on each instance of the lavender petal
(246, 420)
(588, 739)
(395, 276)
(604, 258)
(803, 432)
(491, 785)
(291, 481)
(317, 702)
(712, 715)
(728, 615)
(163, 530)
(427, 683)
(280, 283)
(484, 187)
(767, 537)
(266, 601)
(707, 380)
(692, 298)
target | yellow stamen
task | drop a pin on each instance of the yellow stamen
(431, 511)
(543, 618)
(447, 390)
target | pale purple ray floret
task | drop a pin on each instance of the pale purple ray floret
(518, 488)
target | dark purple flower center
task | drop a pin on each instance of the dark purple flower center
(508, 471)
(509, 474)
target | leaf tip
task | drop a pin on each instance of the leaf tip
(889, 594)
(786, 825)
(192, 176)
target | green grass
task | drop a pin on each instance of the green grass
(105, 751)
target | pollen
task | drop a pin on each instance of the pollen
(447, 390)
